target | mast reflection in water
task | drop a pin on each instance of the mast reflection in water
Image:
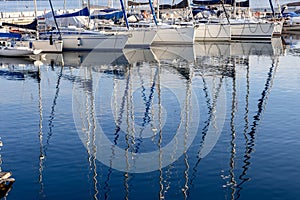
(160, 123)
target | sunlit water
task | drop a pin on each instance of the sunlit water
(209, 121)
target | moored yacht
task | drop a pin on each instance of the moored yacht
(80, 39)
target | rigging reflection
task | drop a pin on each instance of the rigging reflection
(132, 111)
(147, 87)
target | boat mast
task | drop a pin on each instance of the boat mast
(234, 9)
(272, 8)
(65, 8)
(35, 15)
(55, 19)
(35, 9)
(89, 4)
(124, 14)
(153, 12)
(157, 7)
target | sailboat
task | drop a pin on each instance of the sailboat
(80, 39)
(242, 26)
(139, 36)
(14, 51)
(45, 45)
(171, 33)
(149, 31)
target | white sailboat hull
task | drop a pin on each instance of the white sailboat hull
(17, 51)
(44, 45)
(174, 36)
(293, 24)
(249, 30)
(140, 38)
(94, 42)
(213, 32)
(174, 52)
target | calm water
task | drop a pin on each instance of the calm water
(209, 121)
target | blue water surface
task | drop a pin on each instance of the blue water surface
(210, 127)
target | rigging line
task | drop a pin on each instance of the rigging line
(210, 34)
(249, 26)
(53, 108)
(226, 14)
(270, 26)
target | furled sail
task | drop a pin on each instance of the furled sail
(108, 13)
(182, 4)
(240, 3)
(31, 26)
(82, 12)
(133, 3)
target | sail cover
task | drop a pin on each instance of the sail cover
(10, 35)
(31, 26)
(82, 12)
(240, 3)
(182, 4)
(109, 13)
(133, 3)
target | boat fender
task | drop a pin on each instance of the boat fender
(51, 40)
(30, 44)
(257, 14)
(78, 41)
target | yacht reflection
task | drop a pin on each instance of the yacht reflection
(142, 100)
(40, 134)
(200, 52)
(9, 61)
(174, 53)
(124, 102)
(239, 48)
(251, 134)
(236, 183)
(19, 72)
